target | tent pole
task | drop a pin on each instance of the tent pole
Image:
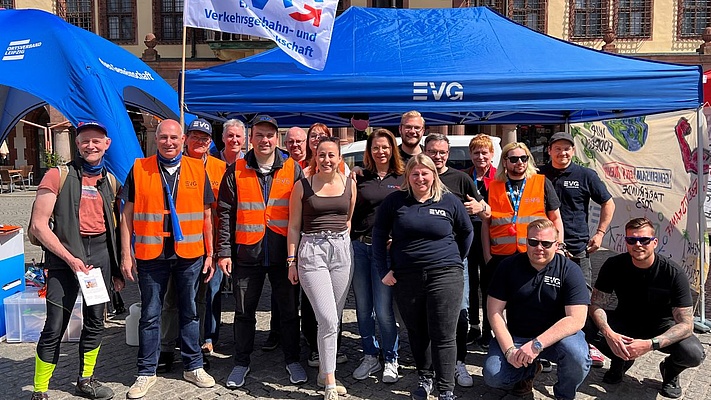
(700, 146)
(182, 80)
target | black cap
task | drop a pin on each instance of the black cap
(264, 118)
(561, 136)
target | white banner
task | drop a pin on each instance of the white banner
(302, 28)
(649, 167)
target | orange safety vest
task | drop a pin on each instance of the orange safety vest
(149, 208)
(253, 214)
(531, 208)
(215, 169)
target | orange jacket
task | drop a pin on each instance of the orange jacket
(253, 214)
(149, 208)
(531, 208)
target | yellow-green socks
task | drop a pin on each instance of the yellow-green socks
(43, 372)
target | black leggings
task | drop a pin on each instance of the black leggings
(62, 291)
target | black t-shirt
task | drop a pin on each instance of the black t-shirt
(371, 192)
(460, 184)
(645, 297)
(424, 235)
(551, 200)
(405, 156)
(575, 187)
(168, 252)
(535, 300)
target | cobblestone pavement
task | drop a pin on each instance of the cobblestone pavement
(268, 378)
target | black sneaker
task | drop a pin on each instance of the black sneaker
(93, 389)
(165, 362)
(424, 388)
(547, 366)
(39, 396)
(205, 362)
(448, 395)
(617, 370)
(474, 334)
(670, 386)
(483, 343)
(272, 341)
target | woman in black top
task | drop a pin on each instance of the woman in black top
(431, 234)
(382, 175)
(320, 211)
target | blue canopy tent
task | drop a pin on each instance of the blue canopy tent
(456, 66)
(46, 60)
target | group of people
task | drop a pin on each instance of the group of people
(409, 234)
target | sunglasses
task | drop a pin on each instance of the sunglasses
(644, 240)
(545, 243)
(515, 159)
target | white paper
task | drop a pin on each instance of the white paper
(93, 288)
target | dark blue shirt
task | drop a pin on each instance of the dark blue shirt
(575, 187)
(424, 235)
(536, 300)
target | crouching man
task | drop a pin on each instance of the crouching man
(654, 310)
(546, 302)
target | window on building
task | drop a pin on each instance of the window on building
(7, 4)
(530, 13)
(388, 4)
(694, 17)
(119, 20)
(78, 12)
(633, 19)
(168, 23)
(496, 5)
(588, 18)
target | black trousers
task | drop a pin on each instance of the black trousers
(62, 291)
(687, 353)
(476, 263)
(429, 303)
(247, 288)
(487, 274)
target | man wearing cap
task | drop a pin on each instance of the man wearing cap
(253, 211)
(209, 302)
(167, 207)
(233, 134)
(73, 218)
(575, 186)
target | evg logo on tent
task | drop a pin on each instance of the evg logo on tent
(16, 49)
(453, 90)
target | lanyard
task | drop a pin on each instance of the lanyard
(515, 198)
(177, 231)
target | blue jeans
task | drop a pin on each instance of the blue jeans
(153, 281)
(374, 300)
(213, 308)
(570, 353)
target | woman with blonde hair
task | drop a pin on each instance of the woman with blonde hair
(431, 233)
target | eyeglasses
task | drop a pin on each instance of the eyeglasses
(295, 142)
(643, 240)
(415, 128)
(433, 153)
(545, 243)
(515, 159)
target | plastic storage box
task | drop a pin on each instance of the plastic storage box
(25, 313)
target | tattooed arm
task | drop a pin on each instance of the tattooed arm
(617, 342)
(684, 327)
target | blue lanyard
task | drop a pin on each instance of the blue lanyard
(515, 198)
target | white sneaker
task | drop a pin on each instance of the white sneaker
(370, 365)
(390, 372)
(141, 386)
(199, 377)
(462, 375)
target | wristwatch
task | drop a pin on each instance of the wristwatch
(655, 344)
(537, 346)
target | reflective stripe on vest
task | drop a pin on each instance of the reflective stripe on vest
(149, 208)
(532, 207)
(253, 214)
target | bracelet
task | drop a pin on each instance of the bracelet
(509, 351)
(290, 257)
(601, 231)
